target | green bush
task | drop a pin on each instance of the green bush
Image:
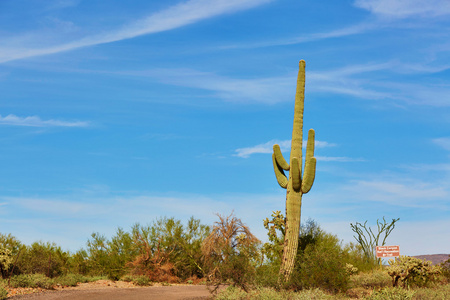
(371, 280)
(319, 262)
(262, 293)
(354, 255)
(165, 251)
(43, 258)
(31, 281)
(445, 268)
(23, 280)
(267, 275)
(391, 294)
(127, 278)
(70, 279)
(438, 292)
(142, 280)
(3, 292)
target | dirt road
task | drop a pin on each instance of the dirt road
(154, 292)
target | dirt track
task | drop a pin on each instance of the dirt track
(153, 292)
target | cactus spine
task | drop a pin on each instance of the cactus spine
(296, 185)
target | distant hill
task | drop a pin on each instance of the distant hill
(434, 258)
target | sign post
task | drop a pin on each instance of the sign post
(387, 251)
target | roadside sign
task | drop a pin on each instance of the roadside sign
(387, 251)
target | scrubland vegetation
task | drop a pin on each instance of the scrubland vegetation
(226, 252)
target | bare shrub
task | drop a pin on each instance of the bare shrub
(230, 252)
(152, 262)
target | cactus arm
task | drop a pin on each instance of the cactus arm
(279, 157)
(310, 164)
(310, 174)
(296, 174)
(279, 173)
(310, 144)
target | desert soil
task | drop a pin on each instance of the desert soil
(110, 290)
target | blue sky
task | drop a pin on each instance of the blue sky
(113, 113)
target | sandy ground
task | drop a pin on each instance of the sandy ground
(110, 290)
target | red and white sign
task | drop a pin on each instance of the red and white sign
(387, 251)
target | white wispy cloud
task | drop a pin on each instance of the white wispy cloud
(409, 192)
(268, 90)
(105, 212)
(351, 80)
(181, 14)
(339, 158)
(443, 142)
(35, 121)
(312, 37)
(405, 8)
(268, 147)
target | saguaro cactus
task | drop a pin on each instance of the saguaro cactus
(296, 185)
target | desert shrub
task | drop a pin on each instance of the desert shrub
(79, 262)
(445, 268)
(22, 280)
(391, 294)
(127, 278)
(189, 259)
(141, 280)
(355, 255)
(3, 291)
(70, 279)
(102, 258)
(370, 280)
(8, 241)
(231, 293)
(230, 252)
(264, 293)
(374, 279)
(43, 258)
(438, 292)
(319, 262)
(164, 251)
(267, 274)
(153, 259)
(31, 281)
(411, 271)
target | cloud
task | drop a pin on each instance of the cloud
(306, 38)
(351, 80)
(443, 142)
(37, 218)
(35, 121)
(410, 192)
(262, 148)
(181, 14)
(267, 90)
(405, 8)
(338, 158)
(268, 147)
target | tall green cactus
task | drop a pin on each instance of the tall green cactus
(296, 185)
